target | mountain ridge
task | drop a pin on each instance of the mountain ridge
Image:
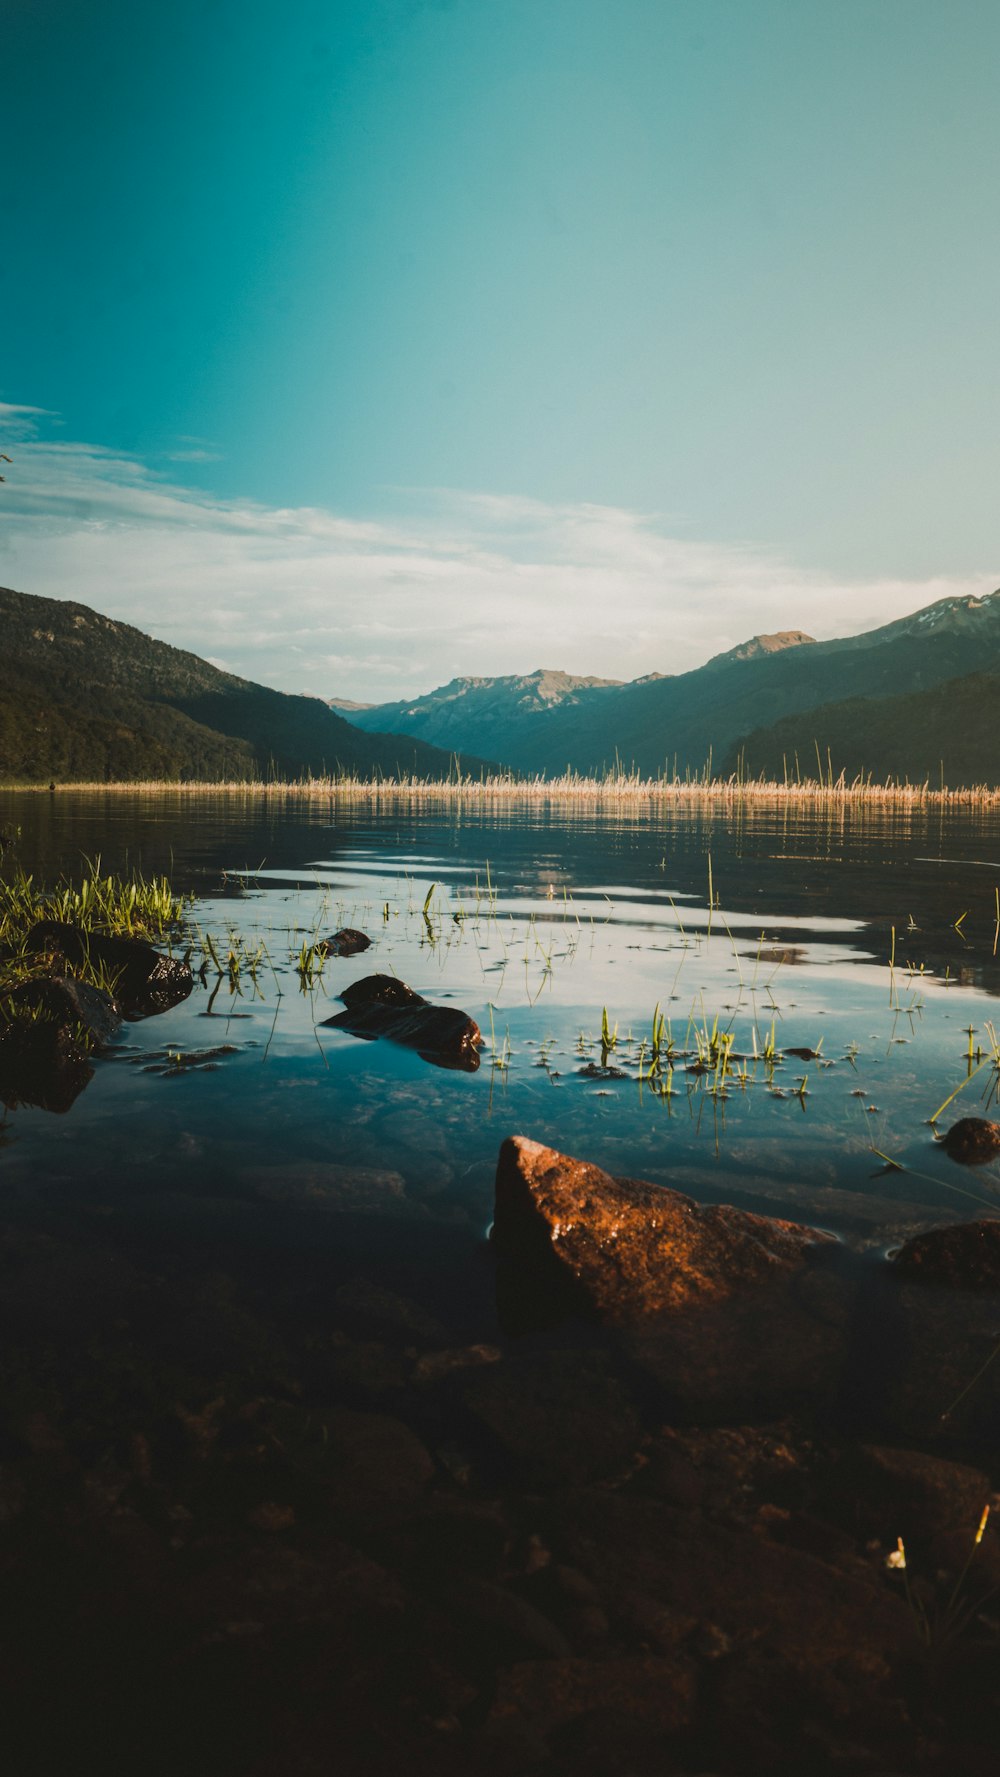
(85, 696)
(678, 722)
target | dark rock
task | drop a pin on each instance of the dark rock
(511, 1627)
(377, 1461)
(146, 981)
(380, 990)
(49, 1028)
(963, 1257)
(972, 1141)
(326, 1185)
(346, 942)
(804, 1611)
(366, 1307)
(65, 1004)
(927, 1351)
(552, 1416)
(935, 1505)
(544, 1695)
(381, 1006)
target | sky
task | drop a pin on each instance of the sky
(358, 346)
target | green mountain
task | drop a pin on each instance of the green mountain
(85, 698)
(947, 736)
(665, 723)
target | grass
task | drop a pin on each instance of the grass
(612, 789)
(122, 907)
(131, 907)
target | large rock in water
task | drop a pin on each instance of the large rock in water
(634, 1249)
(721, 1308)
(382, 1006)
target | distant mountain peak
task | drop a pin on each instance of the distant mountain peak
(758, 646)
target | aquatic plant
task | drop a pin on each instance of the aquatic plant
(940, 1621)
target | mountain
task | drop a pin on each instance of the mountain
(761, 645)
(948, 736)
(677, 723)
(83, 697)
(482, 710)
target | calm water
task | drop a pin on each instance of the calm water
(537, 924)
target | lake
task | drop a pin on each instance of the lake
(255, 1241)
(540, 925)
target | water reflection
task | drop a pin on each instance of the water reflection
(792, 1064)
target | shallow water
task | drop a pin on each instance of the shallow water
(540, 925)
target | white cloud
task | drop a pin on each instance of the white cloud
(304, 598)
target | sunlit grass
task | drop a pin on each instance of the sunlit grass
(611, 790)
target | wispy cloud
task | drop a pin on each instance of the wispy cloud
(307, 599)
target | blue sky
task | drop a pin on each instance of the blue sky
(371, 343)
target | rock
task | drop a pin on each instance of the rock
(346, 942)
(935, 1505)
(146, 981)
(382, 1006)
(682, 1284)
(965, 1257)
(544, 1695)
(631, 1250)
(436, 1364)
(368, 1308)
(328, 1185)
(49, 1028)
(506, 1624)
(377, 1461)
(927, 1358)
(66, 1004)
(972, 1141)
(551, 1416)
(800, 1609)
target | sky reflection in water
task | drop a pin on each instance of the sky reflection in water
(536, 927)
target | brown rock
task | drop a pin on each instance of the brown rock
(972, 1141)
(680, 1282)
(964, 1257)
(346, 942)
(633, 1250)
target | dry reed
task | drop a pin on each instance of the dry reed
(614, 790)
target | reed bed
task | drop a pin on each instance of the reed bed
(613, 790)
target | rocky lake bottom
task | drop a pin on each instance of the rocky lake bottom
(341, 1432)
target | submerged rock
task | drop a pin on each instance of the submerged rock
(931, 1332)
(966, 1257)
(972, 1141)
(346, 942)
(145, 981)
(382, 1006)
